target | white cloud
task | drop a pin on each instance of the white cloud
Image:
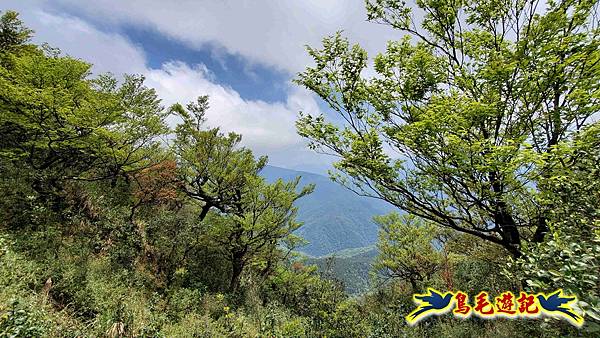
(264, 126)
(75, 37)
(272, 33)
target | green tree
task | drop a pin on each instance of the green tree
(569, 257)
(406, 249)
(213, 168)
(251, 236)
(466, 99)
(252, 217)
(13, 32)
(59, 125)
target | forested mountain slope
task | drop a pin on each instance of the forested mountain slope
(334, 217)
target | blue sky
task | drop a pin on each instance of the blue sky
(243, 54)
(253, 82)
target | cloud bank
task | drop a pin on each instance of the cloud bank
(272, 33)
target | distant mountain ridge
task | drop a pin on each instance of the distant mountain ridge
(334, 217)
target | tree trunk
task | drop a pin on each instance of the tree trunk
(413, 284)
(541, 230)
(237, 266)
(505, 223)
(204, 211)
(508, 230)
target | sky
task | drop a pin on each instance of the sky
(243, 54)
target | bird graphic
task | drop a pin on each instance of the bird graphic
(432, 302)
(557, 303)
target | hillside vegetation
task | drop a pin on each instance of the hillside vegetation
(350, 267)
